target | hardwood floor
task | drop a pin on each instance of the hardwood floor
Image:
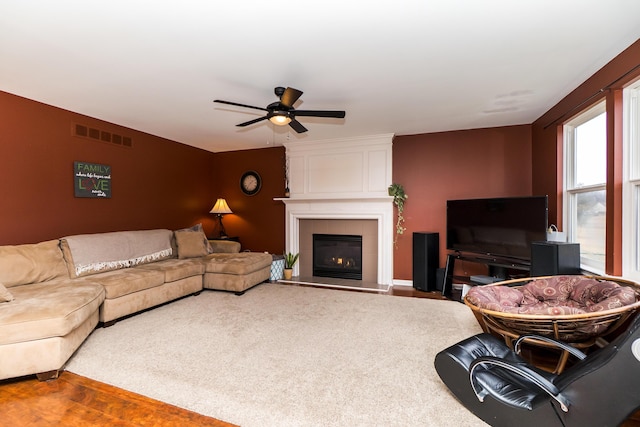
(408, 291)
(72, 400)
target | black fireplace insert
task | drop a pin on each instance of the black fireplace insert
(338, 256)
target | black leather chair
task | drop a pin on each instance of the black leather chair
(501, 388)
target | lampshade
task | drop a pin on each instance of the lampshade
(221, 207)
(280, 118)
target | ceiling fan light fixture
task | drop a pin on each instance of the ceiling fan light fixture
(280, 118)
(282, 112)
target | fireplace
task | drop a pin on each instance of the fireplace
(308, 217)
(340, 181)
(337, 255)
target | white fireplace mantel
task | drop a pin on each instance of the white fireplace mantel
(379, 209)
(342, 179)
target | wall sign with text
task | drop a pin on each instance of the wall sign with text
(92, 180)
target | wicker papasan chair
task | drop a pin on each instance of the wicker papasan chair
(578, 310)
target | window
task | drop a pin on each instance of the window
(585, 141)
(631, 184)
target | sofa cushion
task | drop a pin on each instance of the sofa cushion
(558, 295)
(191, 244)
(123, 282)
(224, 246)
(496, 298)
(88, 254)
(554, 296)
(45, 310)
(31, 263)
(176, 269)
(5, 295)
(240, 263)
(235, 282)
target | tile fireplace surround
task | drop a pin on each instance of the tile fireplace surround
(367, 229)
(344, 179)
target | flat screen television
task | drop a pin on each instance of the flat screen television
(498, 227)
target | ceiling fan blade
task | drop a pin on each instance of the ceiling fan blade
(239, 105)
(297, 126)
(290, 96)
(321, 113)
(250, 122)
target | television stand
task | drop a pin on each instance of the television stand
(498, 266)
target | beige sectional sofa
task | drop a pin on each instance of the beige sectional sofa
(54, 293)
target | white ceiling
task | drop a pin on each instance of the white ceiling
(395, 66)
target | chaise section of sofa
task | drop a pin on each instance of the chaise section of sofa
(225, 267)
(45, 315)
(236, 272)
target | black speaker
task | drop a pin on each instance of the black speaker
(551, 258)
(426, 257)
(439, 279)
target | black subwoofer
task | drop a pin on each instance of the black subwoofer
(426, 257)
(552, 258)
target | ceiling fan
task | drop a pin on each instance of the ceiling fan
(282, 113)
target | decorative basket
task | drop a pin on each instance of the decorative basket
(277, 268)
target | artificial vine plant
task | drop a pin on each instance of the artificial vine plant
(399, 197)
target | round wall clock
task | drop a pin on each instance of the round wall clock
(250, 183)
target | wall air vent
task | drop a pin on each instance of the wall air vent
(87, 132)
(82, 131)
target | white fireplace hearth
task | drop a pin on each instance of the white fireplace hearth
(344, 179)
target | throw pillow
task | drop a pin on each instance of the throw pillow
(5, 295)
(198, 228)
(191, 244)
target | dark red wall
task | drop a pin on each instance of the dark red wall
(161, 183)
(547, 144)
(155, 184)
(434, 168)
(258, 220)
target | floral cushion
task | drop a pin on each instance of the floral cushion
(557, 295)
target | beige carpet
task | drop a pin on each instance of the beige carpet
(284, 355)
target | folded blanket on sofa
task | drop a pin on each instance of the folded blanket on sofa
(94, 253)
